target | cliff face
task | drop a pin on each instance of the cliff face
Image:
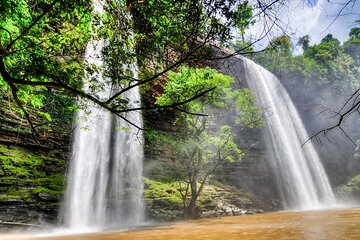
(32, 173)
(31, 184)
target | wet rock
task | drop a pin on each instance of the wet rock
(46, 196)
(236, 211)
(228, 211)
(243, 212)
(209, 214)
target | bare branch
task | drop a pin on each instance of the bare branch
(338, 14)
(345, 111)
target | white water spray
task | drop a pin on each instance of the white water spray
(104, 188)
(301, 176)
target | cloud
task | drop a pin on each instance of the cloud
(322, 19)
(316, 18)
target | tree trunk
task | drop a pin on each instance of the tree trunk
(192, 211)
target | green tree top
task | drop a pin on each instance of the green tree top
(189, 82)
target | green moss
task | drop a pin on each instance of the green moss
(212, 195)
(6, 197)
(25, 174)
(166, 192)
(16, 194)
(42, 190)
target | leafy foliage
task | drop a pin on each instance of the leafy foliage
(43, 43)
(189, 82)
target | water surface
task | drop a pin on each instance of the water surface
(314, 225)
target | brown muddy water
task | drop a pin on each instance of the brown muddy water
(313, 225)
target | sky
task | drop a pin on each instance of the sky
(316, 18)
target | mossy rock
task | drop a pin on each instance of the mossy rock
(161, 193)
(25, 175)
(163, 199)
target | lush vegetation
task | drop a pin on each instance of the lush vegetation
(326, 63)
(53, 52)
(43, 44)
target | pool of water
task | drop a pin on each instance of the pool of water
(314, 225)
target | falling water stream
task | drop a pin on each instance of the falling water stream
(303, 182)
(105, 186)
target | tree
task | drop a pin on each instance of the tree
(304, 42)
(39, 52)
(281, 44)
(207, 142)
(43, 43)
(354, 33)
(244, 18)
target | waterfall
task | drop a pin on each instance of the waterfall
(104, 188)
(301, 175)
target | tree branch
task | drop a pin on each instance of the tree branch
(338, 14)
(14, 91)
(1, 28)
(174, 105)
(354, 107)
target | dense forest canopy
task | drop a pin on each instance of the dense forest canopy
(43, 44)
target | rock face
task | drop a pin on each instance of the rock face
(31, 185)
